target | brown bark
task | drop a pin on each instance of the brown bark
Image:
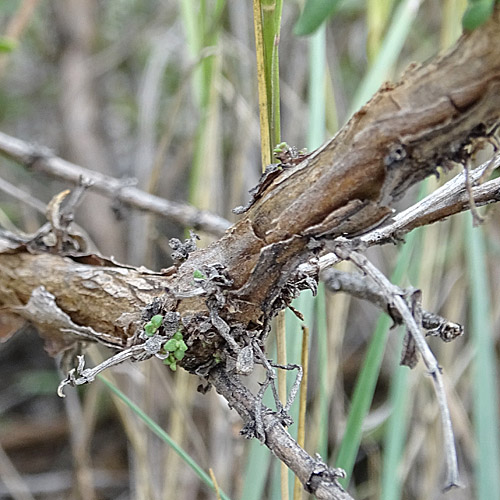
(431, 118)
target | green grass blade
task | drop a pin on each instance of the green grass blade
(317, 105)
(194, 35)
(271, 11)
(451, 27)
(203, 25)
(256, 471)
(275, 74)
(395, 437)
(362, 398)
(315, 137)
(397, 33)
(164, 436)
(313, 16)
(485, 374)
(377, 17)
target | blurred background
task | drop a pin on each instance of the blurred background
(164, 94)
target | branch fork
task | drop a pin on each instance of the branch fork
(413, 321)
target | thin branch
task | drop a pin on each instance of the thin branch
(22, 196)
(393, 295)
(362, 288)
(450, 199)
(42, 160)
(316, 476)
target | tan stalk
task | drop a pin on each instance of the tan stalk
(265, 139)
(216, 486)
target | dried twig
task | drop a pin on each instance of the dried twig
(44, 161)
(362, 288)
(22, 196)
(313, 473)
(393, 295)
(450, 199)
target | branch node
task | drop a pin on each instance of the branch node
(323, 473)
(181, 251)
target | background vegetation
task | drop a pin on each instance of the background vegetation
(167, 93)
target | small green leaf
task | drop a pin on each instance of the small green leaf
(178, 335)
(477, 14)
(198, 275)
(171, 345)
(179, 354)
(156, 320)
(314, 14)
(7, 44)
(279, 148)
(150, 329)
(182, 346)
(172, 362)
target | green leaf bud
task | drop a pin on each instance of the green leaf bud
(156, 320)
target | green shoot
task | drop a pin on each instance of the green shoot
(153, 325)
(199, 275)
(177, 349)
